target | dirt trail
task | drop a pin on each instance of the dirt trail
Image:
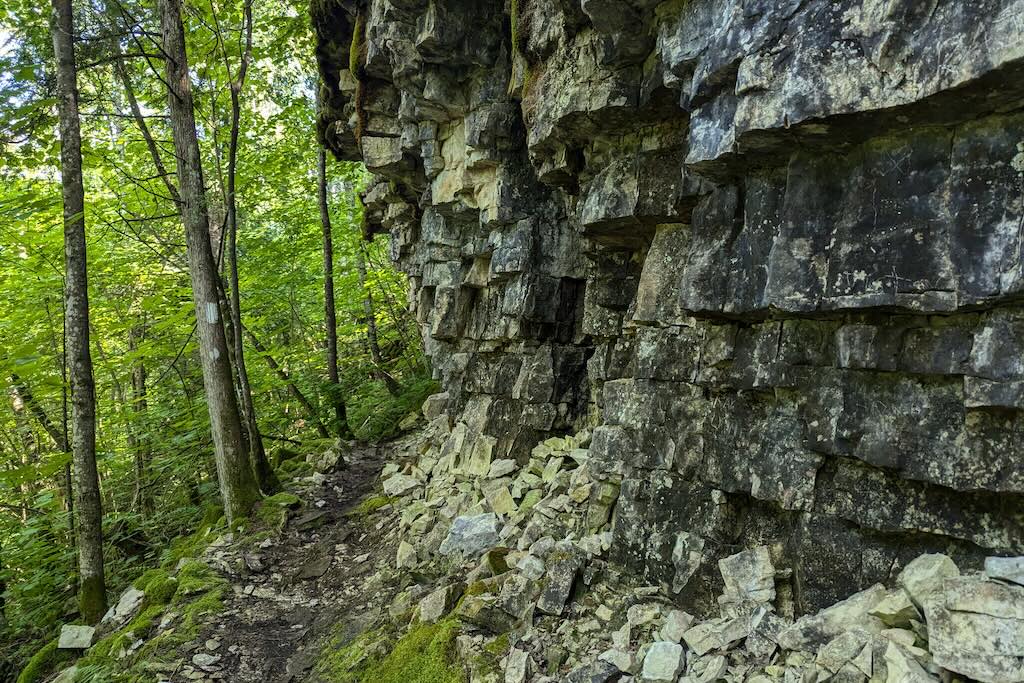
(290, 592)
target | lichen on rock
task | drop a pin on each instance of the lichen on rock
(766, 254)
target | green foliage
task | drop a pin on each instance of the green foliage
(374, 414)
(141, 310)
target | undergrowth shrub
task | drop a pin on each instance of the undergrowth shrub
(374, 413)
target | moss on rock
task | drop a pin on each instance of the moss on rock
(423, 654)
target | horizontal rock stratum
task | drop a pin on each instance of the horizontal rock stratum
(767, 252)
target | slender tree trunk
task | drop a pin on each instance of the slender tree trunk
(371, 327)
(238, 485)
(292, 388)
(30, 402)
(92, 592)
(3, 592)
(142, 500)
(330, 316)
(261, 466)
(29, 452)
(61, 355)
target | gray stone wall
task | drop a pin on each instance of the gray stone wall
(770, 251)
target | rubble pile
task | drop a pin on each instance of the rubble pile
(519, 554)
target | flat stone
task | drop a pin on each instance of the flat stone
(976, 628)
(75, 637)
(716, 634)
(315, 567)
(126, 608)
(593, 672)
(643, 613)
(813, 630)
(517, 666)
(400, 484)
(1005, 568)
(205, 661)
(311, 520)
(471, 535)
(663, 662)
(501, 468)
(438, 603)
(749, 575)
(924, 575)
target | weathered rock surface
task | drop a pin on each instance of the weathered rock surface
(471, 535)
(768, 253)
(75, 637)
(771, 250)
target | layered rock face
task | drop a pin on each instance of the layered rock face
(769, 251)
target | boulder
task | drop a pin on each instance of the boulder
(748, 575)
(517, 666)
(663, 662)
(923, 576)
(562, 566)
(127, 606)
(439, 603)
(471, 535)
(677, 623)
(814, 630)
(976, 628)
(406, 556)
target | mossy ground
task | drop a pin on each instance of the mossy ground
(198, 594)
(186, 601)
(46, 660)
(423, 654)
(272, 512)
(367, 506)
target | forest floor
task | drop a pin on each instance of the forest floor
(289, 593)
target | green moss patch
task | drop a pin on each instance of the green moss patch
(185, 603)
(272, 512)
(423, 654)
(43, 663)
(367, 506)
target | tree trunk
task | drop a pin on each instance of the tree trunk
(261, 466)
(292, 389)
(371, 327)
(330, 316)
(142, 500)
(30, 402)
(238, 486)
(92, 592)
(28, 447)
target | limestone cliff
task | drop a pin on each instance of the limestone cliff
(770, 251)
